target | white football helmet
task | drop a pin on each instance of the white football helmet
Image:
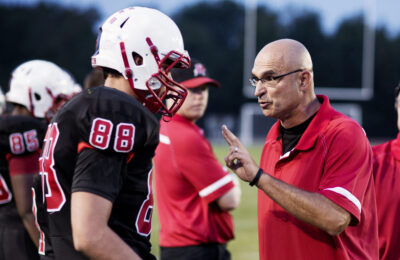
(42, 87)
(2, 102)
(151, 35)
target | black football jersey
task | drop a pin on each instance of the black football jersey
(19, 135)
(102, 141)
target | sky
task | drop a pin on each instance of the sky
(386, 12)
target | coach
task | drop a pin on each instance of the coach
(316, 192)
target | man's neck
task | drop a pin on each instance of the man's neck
(121, 84)
(20, 110)
(296, 119)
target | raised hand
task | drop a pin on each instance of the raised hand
(239, 159)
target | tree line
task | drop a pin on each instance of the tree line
(214, 33)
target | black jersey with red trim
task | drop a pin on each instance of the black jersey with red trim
(102, 141)
(19, 136)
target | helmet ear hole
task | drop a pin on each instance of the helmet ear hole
(37, 96)
(137, 58)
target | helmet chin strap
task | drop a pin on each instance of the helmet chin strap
(31, 106)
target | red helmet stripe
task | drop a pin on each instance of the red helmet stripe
(30, 101)
(128, 71)
(153, 50)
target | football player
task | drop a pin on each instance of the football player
(2, 102)
(37, 89)
(96, 163)
(94, 78)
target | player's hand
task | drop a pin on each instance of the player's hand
(239, 159)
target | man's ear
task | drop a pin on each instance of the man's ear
(304, 78)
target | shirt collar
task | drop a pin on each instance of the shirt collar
(184, 120)
(396, 147)
(180, 118)
(320, 121)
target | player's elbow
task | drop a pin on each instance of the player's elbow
(230, 200)
(83, 241)
(25, 213)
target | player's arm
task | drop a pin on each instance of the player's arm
(312, 208)
(231, 199)
(92, 236)
(202, 169)
(22, 170)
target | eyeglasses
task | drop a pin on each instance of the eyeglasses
(268, 79)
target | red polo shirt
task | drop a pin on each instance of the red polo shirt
(387, 189)
(333, 157)
(188, 178)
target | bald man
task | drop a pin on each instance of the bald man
(315, 187)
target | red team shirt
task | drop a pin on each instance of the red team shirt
(333, 157)
(387, 186)
(188, 178)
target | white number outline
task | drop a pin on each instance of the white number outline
(3, 184)
(149, 198)
(32, 142)
(117, 137)
(51, 143)
(92, 131)
(12, 143)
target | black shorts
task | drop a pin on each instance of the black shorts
(198, 252)
(15, 243)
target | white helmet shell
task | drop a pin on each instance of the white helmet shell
(2, 102)
(36, 84)
(155, 38)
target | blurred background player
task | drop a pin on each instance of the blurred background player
(2, 102)
(387, 186)
(194, 192)
(37, 89)
(94, 78)
(98, 149)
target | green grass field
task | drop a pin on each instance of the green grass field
(245, 244)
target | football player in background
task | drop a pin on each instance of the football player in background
(37, 89)
(194, 191)
(94, 78)
(96, 162)
(2, 102)
(387, 184)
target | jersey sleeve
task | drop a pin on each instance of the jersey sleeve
(198, 164)
(116, 123)
(99, 173)
(348, 168)
(24, 164)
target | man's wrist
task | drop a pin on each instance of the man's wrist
(257, 177)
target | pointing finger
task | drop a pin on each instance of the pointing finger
(229, 137)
